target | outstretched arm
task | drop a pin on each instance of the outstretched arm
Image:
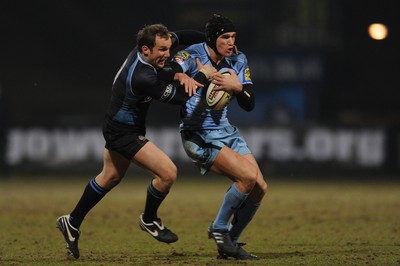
(188, 37)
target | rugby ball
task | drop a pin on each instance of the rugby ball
(218, 99)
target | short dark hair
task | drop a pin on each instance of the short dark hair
(147, 35)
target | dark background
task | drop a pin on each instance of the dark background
(312, 61)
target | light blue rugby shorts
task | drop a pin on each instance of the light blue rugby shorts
(203, 146)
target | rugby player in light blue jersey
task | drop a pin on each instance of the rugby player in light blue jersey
(213, 143)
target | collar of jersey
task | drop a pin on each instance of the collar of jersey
(141, 59)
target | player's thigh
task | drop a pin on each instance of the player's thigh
(250, 157)
(114, 169)
(153, 159)
(115, 163)
(234, 165)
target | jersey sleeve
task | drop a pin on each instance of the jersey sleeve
(167, 74)
(243, 69)
(148, 84)
(188, 37)
(182, 37)
(186, 61)
(246, 98)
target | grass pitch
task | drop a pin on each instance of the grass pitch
(299, 223)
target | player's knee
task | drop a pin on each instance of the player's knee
(114, 181)
(110, 180)
(259, 190)
(263, 187)
(169, 175)
(250, 180)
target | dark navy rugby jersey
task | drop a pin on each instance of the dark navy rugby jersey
(137, 84)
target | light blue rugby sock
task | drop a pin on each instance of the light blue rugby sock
(242, 218)
(232, 201)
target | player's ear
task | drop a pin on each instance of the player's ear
(145, 50)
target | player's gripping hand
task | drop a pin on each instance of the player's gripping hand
(207, 70)
(227, 82)
(189, 83)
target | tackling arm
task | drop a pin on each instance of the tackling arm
(189, 37)
(167, 92)
(181, 37)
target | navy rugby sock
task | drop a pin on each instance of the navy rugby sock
(242, 218)
(232, 201)
(92, 194)
(153, 201)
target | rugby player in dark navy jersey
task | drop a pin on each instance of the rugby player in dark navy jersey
(142, 78)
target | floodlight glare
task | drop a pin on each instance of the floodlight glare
(377, 31)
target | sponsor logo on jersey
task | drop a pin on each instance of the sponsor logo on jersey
(181, 56)
(167, 92)
(247, 74)
(146, 99)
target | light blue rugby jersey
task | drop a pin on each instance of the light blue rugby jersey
(197, 115)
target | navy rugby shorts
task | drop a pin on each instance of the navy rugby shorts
(203, 146)
(126, 140)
